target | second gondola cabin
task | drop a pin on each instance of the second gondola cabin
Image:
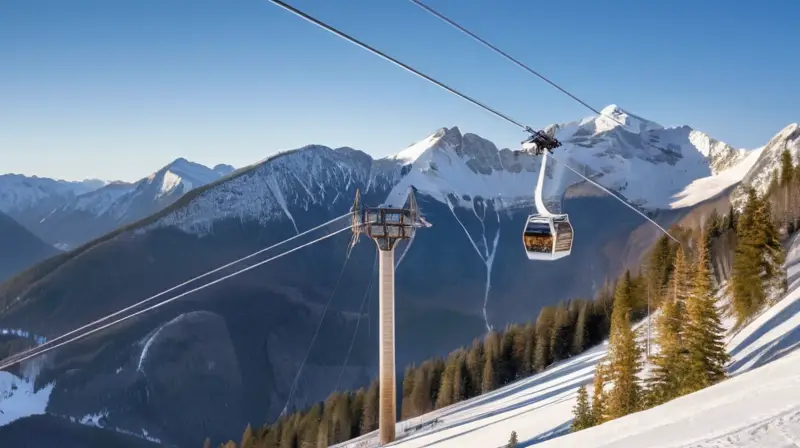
(547, 237)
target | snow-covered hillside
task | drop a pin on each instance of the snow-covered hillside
(759, 405)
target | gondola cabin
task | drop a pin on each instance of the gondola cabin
(547, 237)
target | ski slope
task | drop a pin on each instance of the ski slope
(758, 407)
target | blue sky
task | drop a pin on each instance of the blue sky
(116, 89)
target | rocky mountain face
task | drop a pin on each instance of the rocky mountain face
(19, 249)
(69, 217)
(242, 341)
(769, 160)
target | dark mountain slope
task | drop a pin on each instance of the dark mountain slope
(19, 249)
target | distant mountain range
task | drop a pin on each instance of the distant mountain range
(241, 341)
(68, 214)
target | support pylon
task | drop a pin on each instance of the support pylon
(386, 226)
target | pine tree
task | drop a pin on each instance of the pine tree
(491, 351)
(522, 354)
(560, 340)
(247, 438)
(460, 377)
(506, 367)
(488, 376)
(408, 387)
(623, 355)
(704, 334)
(475, 368)
(309, 426)
(369, 419)
(582, 411)
(581, 334)
(746, 287)
(445, 396)
(512, 441)
(544, 327)
(758, 259)
(668, 366)
(599, 413)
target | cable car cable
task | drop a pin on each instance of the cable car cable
(615, 196)
(446, 87)
(7, 364)
(506, 55)
(394, 61)
(151, 298)
(358, 321)
(316, 332)
(524, 67)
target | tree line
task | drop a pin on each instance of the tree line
(689, 332)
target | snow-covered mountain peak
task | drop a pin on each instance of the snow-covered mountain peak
(442, 138)
(182, 173)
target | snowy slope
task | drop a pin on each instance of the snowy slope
(761, 402)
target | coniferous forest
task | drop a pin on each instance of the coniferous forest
(682, 281)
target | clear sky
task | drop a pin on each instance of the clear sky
(116, 89)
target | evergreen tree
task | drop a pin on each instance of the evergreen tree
(475, 368)
(247, 438)
(491, 351)
(747, 290)
(599, 413)
(544, 327)
(659, 265)
(623, 355)
(322, 434)
(704, 335)
(310, 426)
(460, 377)
(559, 336)
(408, 387)
(506, 367)
(580, 336)
(357, 411)
(582, 411)
(757, 270)
(512, 441)
(488, 377)
(369, 419)
(445, 396)
(522, 352)
(668, 373)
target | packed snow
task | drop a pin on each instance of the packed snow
(758, 407)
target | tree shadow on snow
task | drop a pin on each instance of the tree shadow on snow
(569, 366)
(558, 431)
(784, 315)
(563, 390)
